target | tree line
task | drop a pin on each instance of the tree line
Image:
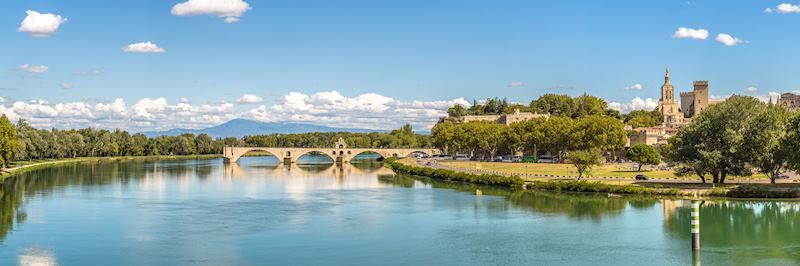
(556, 135)
(22, 142)
(559, 105)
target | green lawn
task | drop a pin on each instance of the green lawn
(606, 170)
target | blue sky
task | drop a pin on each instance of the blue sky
(408, 59)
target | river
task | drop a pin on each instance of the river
(254, 212)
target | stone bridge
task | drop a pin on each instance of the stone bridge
(339, 153)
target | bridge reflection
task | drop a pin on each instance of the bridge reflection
(338, 170)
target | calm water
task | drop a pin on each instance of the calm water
(203, 212)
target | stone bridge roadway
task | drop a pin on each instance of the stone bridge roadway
(342, 154)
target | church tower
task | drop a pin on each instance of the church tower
(667, 90)
(667, 105)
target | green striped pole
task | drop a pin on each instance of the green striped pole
(695, 225)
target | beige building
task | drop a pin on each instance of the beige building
(506, 119)
(657, 135)
(789, 100)
(691, 103)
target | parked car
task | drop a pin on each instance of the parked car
(782, 176)
(443, 157)
(498, 159)
(546, 159)
(516, 159)
(642, 177)
(462, 157)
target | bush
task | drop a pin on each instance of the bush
(759, 191)
(455, 176)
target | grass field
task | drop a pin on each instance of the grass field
(606, 170)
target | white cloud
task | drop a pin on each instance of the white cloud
(636, 103)
(634, 87)
(249, 99)
(728, 40)
(143, 47)
(66, 86)
(697, 34)
(231, 10)
(751, 89)
(369, 110)
(784, 8)
(33, 68)
(329, 108)
(516, 84)
(40, 25)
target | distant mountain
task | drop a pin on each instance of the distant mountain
(243, 127)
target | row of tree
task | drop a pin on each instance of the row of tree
(22, 142)
(559, 105)
(555, 135)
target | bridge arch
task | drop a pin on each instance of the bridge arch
(302, 153)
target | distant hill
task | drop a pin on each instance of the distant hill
(243, 127)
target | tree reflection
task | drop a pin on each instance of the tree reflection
(747, 230)
(92, 174)
(574, 205)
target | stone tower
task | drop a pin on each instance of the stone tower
(667, 105)
(700, 92)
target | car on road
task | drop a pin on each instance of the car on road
(443, 157)
(782, 176)
(641, 177)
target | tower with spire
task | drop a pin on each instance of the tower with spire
(667, 106)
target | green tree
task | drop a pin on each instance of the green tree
(643, 154)
(456, 111)
(554, 104)
(586, 105)
(717, 140)
(642, 118)
(584, 160)
(8, 140)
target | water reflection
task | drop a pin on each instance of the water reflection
(257, 209)
(574, 205)
(741, 232)
(152, 180)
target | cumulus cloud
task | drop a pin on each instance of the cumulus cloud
(636, 103)
(329, 108)
(143, 47)
(751, 89)
(249, 99)
(40, 25)
(728, 40)
(369, 110)
(145, 114)
(516, 84)
(66, 86)
(784, 8)
(634, 87)
(230, 10)
(33, 68)
(689, 33)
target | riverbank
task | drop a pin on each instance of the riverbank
(22, 166)
(628, 185)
